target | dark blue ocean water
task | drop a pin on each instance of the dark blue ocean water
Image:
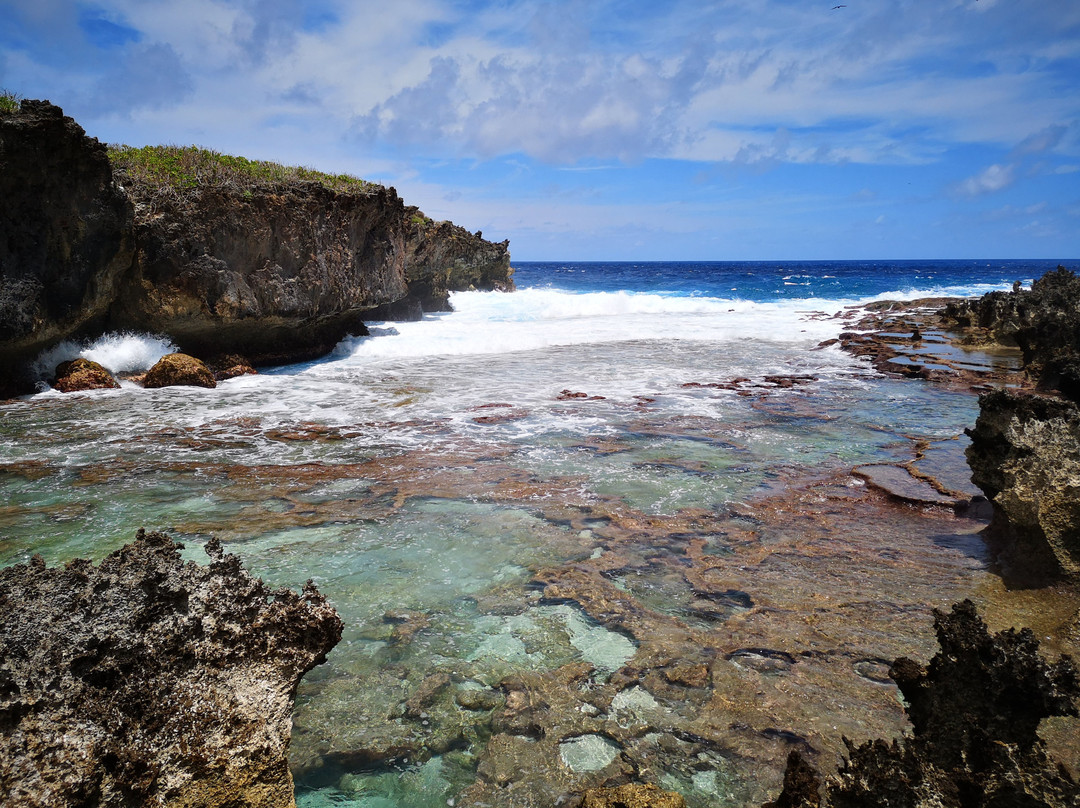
(762, 281)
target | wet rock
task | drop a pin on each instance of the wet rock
(229, 366)
(898, 482)
(632, 795)
(425, 694)
(146, 680)
(406, 624)
(1025, 455)
(83, 374)
(975, 712)
(179, 369)
(478, 700)
(1043, 321)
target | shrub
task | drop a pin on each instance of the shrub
(9, 102)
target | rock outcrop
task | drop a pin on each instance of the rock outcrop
(66, 235)
(975, 711)
(179, 369)
(145, 680)
(1025, 455)
(276, 271)
(1043, 321)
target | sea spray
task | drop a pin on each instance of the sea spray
(123, 352)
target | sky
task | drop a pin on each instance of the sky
(603, 130)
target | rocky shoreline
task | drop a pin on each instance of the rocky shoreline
(274, 272)
(1025, 445)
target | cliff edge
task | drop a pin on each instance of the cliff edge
(221, 254)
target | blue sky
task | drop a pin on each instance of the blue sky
(759, 129)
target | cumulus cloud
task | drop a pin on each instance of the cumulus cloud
(992, 178)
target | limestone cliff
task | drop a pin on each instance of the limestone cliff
(1025, 456)
(276, 269)
(65, 234)
(145, 680)
(1025, 447)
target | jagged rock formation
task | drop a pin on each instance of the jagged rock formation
(1025, 455)
(276, 272)
(1043, 321)
(974, 712)
(147, 681)
(66, 234)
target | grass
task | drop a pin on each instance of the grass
(187, 169)
(9, 102)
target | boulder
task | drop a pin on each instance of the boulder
(179, 369)
(145, 680)
(1025, 456)
(83, 374)
(229, 366)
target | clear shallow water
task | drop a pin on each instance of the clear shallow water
(426, 475)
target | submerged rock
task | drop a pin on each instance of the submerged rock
(975, 712)
(1025, 455)
(147, 681)
(179, 369)
(632, 795)
(83, 374)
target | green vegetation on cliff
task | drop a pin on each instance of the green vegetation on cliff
(189, 168)
(9, 102)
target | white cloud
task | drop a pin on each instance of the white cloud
(992, 178)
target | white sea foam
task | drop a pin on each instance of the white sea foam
(117, 352)
(531, 319)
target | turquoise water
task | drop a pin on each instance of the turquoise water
(425, 476)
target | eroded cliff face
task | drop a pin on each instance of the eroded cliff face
(1025, 455)
(443, 257)
(276, 272)
(276, 275)
(1043, 321)
(65, 234)
(145, 680)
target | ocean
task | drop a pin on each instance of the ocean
(591, 491)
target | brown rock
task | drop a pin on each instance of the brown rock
(1025, 456)
(145, 680)
(179, 369)
(229, 366)
(83, 374)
